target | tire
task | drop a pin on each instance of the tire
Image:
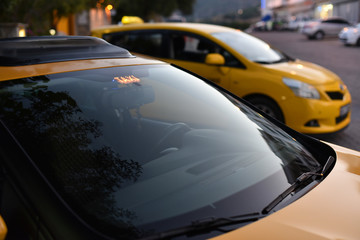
(319, 35)
(268, 106)
(358, 42)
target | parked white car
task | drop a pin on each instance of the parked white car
(297, 24)
(350, 35)
(321, 28)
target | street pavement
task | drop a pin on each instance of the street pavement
(332, 54)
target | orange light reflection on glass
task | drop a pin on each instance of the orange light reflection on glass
(127, 79)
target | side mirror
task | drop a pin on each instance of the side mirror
(215, 59)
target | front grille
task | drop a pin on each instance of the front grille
(335, 95)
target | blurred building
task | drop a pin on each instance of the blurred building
(286, 10)
(12, 30)
(82, 23)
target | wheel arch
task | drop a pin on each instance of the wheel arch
(255, 96)
(321, 32)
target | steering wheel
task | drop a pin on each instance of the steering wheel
(171, 138)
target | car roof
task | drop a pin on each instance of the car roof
(32, 56)
(36, 50)
(194, 27)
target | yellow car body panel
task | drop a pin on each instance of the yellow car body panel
(264, 79)
(8, 73)
(3, 229)
(317, 215)
(322, 213)
(324, 110)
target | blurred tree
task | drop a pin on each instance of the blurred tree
(41, 15)
(150, 10)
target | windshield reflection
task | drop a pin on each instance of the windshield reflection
(128, 147)
(251, 47)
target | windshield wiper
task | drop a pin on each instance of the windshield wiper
(272, 62)
(206, 225)
(209, 224)
(298, 182)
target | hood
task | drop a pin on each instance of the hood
(329, 211)
(305, 71)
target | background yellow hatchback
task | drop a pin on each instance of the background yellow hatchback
(305, 96)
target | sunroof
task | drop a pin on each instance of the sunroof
(36, 50)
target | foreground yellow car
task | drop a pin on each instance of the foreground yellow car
(324, 213)
(305, 96)
(96, 143)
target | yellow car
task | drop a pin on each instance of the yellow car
(96, 143)
(305, 96)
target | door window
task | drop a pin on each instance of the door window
(146, 42)
(194, 48)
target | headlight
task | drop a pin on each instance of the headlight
(301, 89)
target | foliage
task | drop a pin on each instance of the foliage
(233, 24)
(41, 15)
(150, 10)
(69, 147)
(251, 12)
(207, 9)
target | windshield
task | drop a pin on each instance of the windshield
(142, 149)
(250, 47)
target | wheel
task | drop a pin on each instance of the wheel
(358, 42)
(170, 138)
(268, 106)
(319, 35)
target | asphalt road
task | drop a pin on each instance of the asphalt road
(332, 54)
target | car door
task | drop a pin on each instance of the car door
(189, 51)
(334, 26)
(184, 49)
(341, 24)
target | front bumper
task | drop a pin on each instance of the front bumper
(322, 116)
(343, 37)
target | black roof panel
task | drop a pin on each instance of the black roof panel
(46, 49)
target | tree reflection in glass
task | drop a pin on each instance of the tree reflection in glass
(68, 146)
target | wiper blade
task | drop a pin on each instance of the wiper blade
(263, 62)
(298, 182)
(272, 62)
(206, 225)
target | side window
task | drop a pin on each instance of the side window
(337, 21)
(190, 47)
(342, 21)
(145, 42)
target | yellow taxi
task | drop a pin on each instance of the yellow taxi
(96, 143)
(303, 95)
